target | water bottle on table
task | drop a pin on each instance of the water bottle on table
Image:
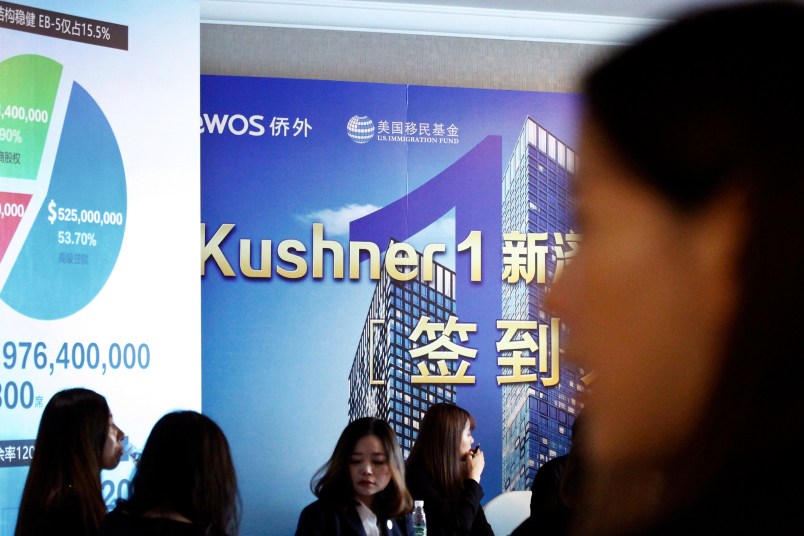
(419, 520)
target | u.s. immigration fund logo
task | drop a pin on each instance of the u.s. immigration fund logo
(361, 129)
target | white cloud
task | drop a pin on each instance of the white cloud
(336, 222)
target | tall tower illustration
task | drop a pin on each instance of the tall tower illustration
(538, 415)
(380, 382)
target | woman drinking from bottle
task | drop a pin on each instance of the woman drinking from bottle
(77, 438)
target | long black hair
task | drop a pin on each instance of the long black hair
(186, 468)
(437, 447)
(65, 469)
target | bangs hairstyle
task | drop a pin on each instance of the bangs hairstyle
(437, 447)
(333, 482)
(67, 464)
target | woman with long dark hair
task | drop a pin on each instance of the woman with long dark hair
(444, 471)
(185, 483)
(77, 438)
(685, 295)
(361, 489)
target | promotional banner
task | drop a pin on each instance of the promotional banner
(99, 197)
(371, 249)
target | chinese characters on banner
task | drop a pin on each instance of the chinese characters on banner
(524, 258)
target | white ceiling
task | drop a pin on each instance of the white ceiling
(574, 21)
(642, 9)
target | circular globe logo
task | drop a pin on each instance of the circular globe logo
(360, 128)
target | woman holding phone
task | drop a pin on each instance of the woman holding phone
(361, 489)
(444, 471)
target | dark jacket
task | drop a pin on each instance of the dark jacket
(118, 523)
(549, 516)
(322, 518)
(459, 517)
(64, 516)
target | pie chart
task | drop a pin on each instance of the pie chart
(62, 191)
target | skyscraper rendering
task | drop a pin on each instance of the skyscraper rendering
(537, 415)
(381, 380)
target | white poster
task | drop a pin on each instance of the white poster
(99, 211)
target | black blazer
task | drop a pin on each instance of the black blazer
(460, 517)
(322, 518)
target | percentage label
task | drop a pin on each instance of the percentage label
(105, 33)
(12, 135)
(77, 238)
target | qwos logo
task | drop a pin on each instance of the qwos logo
(240, 124)
(360, 129)
(237, 124)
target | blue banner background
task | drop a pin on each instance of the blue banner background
(277, 353)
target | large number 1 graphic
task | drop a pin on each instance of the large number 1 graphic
(472, 186)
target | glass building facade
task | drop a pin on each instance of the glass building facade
(537, 418)
(380, 382)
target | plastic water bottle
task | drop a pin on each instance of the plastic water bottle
(419, 521)
(132, 451)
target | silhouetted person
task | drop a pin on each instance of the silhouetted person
(77, 438)
(691, 166)
(185, 483)
(554, 492)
